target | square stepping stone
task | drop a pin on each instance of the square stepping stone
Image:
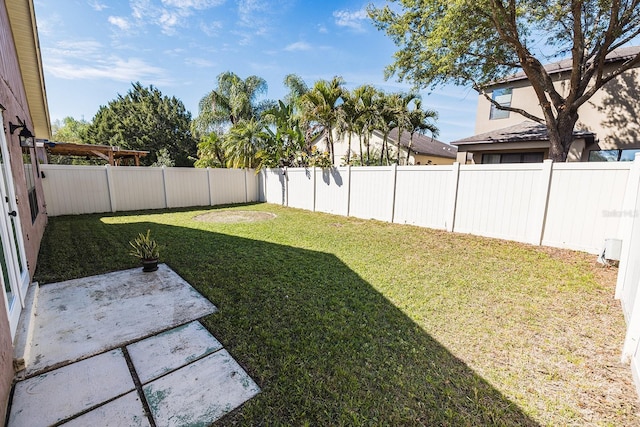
(62, 393)
(201, 392)
(170, 350)
(124, 411)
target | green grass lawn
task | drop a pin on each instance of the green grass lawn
(344, 321)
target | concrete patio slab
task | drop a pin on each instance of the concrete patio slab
(52, 397)
(125, 349)
(170, 350)
(83, 317)
(124, 411)
(201, 392)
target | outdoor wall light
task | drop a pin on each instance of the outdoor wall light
(25, 135)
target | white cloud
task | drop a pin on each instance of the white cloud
(193, 4)
(86, 60)
(119, 22)
(298, 46)
(200, 62)
(169, 14)
(211, 29)
(97, 6)
(75, 49)
(353, 20)
(112, 68)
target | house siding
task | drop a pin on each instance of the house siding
(13, 98)
(613, 113)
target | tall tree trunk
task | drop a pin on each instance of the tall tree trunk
(349, 150)
(409, 148)
(561, 135)
(398, 146)
(368, 143)
(361, 150)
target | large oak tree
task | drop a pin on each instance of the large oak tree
(479, 42)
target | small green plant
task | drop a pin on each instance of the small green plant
(144, 247)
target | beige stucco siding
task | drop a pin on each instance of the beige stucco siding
(613, 113)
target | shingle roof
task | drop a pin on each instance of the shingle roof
(620, 54)
(522, 132)
(423, 144)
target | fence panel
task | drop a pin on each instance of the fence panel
(372, 192)
(138, 188)
(186, 187)
(300, 188)
(228, 186)
(422, 195)
(252, 180)
(585, 201)
(272, 186)
(499, 200)
(332, 190)
(77, 190)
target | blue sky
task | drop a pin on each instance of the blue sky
(93, 49)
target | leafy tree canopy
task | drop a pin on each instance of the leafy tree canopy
(69, 130)
(233, 100)
(144, 119)
(481, 41)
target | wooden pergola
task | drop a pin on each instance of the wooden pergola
(113, 155)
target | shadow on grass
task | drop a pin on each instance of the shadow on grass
(325, 347)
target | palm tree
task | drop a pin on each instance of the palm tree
(402, 112)
(320, 106)
(365, 112)
(385, 113)
(285, 139)
(420, 122)
(243, 142)
(347, 119)
(233, 100)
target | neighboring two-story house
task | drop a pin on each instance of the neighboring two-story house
(608, 128)
(25, 117)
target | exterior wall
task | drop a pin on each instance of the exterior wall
(13, 99)
(613, 113)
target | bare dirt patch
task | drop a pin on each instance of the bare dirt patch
(230, 217)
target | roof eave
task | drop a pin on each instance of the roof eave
(22, 20)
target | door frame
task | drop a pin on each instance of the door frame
(12, 240)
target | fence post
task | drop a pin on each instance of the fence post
(394, 171)
(449, 222)
(209, 185)
(540, 212)
(348, 189)
(246, 196)
(110, 185)
(314, 183)
(164, 186)
(286, 186)
(627, 223)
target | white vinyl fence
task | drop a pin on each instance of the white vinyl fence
(566, 205)
(71, 190)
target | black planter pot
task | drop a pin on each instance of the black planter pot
(149, 265)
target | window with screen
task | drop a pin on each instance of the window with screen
(502, 97)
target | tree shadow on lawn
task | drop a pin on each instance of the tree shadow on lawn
(325, 347)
